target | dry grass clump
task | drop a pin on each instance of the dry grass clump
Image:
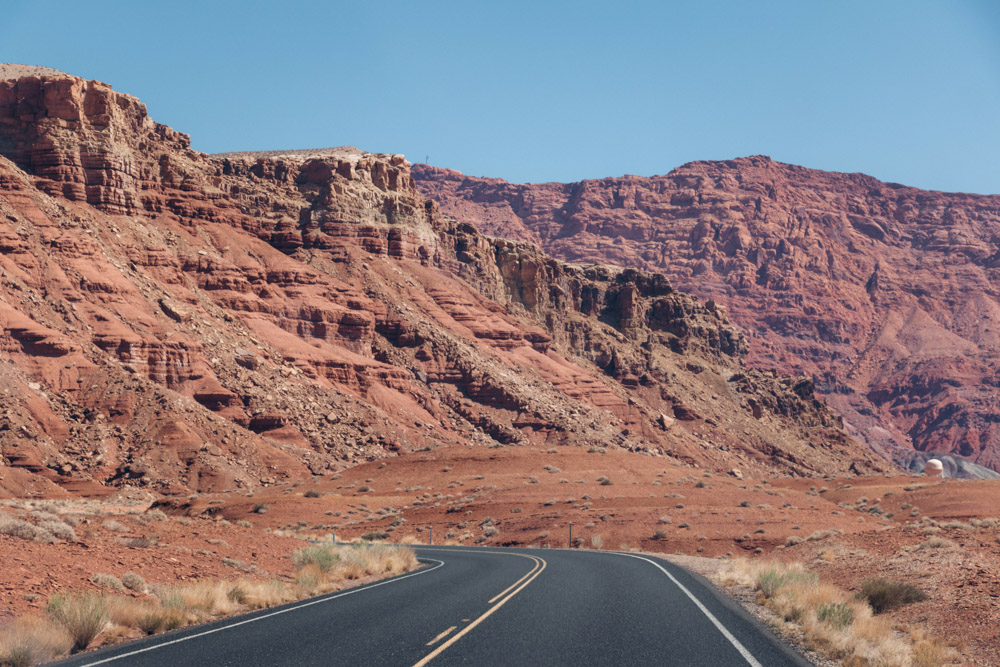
(323, 558)
(32, 640)
(843, 626)
(83, 615)
(73, 621)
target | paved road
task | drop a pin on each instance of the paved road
(485, 606)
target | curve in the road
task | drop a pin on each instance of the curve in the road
(715, 621)
(261, 617)
(475, 606)
(517, 587)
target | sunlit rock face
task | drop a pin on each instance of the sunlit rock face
(177, 321)
(886, 295)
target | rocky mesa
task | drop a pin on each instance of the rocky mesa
(886, 294)
(177, 321)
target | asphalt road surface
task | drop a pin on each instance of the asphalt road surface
(482, 606)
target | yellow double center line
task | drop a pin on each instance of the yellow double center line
(504, 596)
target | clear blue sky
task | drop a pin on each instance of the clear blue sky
(908, 91)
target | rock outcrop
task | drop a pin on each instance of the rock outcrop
(886, 294)
(179, 321)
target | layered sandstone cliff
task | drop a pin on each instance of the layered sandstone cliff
(886, 294)
(180, 321)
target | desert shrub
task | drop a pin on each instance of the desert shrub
(156, 515)
(323, 558)
(375, 536)
(884, 594)
(108, 581)
(490, 531)
(660, 534)
(597, 541)
(59, 529)
(25, 531)
(237, 564)
(138, 542)
(936, 542)
(746, 503)
(243, 523)
(134, 582)
(822, 534)
(260, 508)
(837, 614)
(115, 526)
(792, 540)
(312, 493)
(700, 484)
(664, 519)
(83, 615)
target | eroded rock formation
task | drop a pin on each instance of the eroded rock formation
(180, 321)
(886, 294)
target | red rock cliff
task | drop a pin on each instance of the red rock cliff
(179, 321)
(885, 294)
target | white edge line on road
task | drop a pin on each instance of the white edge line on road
(718, 624)
(273, 613)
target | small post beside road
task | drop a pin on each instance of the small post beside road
(431, 540)
(570, 534)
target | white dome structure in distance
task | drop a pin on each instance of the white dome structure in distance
(934, 468)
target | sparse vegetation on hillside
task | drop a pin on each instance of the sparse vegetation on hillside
(833, 622)
(74, 620)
